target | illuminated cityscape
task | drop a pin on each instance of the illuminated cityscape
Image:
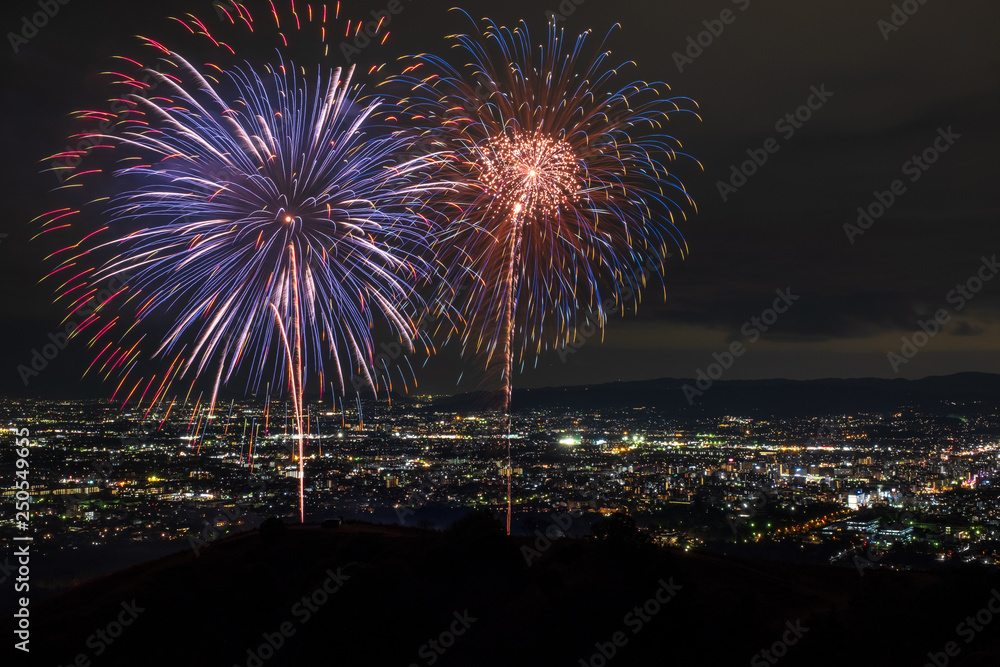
(915, 486)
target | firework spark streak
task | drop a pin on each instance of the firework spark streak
(563, 200)
(265, 220)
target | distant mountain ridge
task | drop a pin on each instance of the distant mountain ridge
(778, 396)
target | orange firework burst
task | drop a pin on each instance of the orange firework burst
(529, 175)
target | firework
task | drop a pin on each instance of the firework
(564, 199)
(265, 222)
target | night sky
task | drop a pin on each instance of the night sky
(888, 93)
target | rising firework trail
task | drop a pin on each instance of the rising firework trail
(229, 417)
(265, 221)
(565, 201)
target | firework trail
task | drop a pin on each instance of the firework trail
(564, 199)
(265, 221)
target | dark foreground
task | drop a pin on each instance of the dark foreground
(374, 595)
